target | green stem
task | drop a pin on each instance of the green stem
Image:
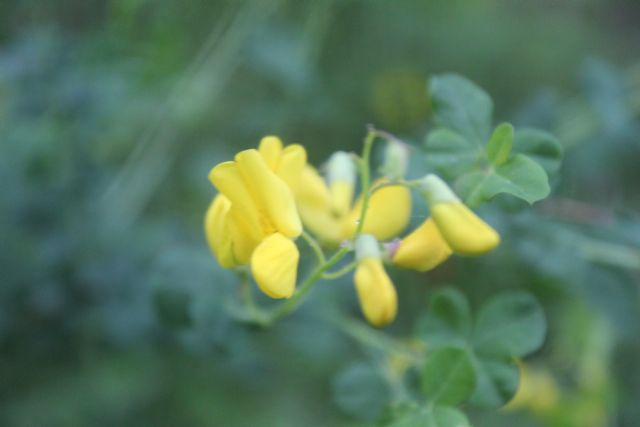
(340, 272)
(313, 244)
(296, 299)
(292, 303)
(365, 177)
(253, 312)
(377, 339)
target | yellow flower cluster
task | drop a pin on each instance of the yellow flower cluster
(266, 195)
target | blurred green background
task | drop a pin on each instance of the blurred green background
(112, 310)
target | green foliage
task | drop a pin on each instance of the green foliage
(500, 144)
(540, 146)
(461, 106)
(113, 112)
(463, 113)
(360, 392)
(448, 319)
(432, 416)
(448, 377)
(509, 325)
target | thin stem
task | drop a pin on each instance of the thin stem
(313, 244)
(292, 303)
(381, 185)
(340, 272)
(376, 339)
(253, 313)
(365, 177)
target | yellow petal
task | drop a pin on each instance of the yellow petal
(537, 391)
(314, 205)
(227, 179)
(388, 214)
(463, 230)
(313, 190)
(271, 149)
(378, 298)
(245, 240)
(292, 163)
(274, 265)
(217, 231)
(270, 192)
(423, 249)
(322, 223)
(341, 196)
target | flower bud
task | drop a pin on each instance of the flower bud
(377, 295)
(341, 175)
(423, 250)
(396, 160)
(462, 229)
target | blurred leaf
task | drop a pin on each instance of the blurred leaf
(460, 105)
(448, 319)
(499, 146)
(540, 146)
(414, 416)
(360, 392)
(608, 93)
(450, 153)
(511, 324)
(496, 381)
(448, 417)
(448, 376)
(520, 177)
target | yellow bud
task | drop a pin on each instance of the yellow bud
(462, 229)
(378, 298)
(271, 149)
(341, 175)
(537, 391)
(341, 196)
(274, 265)
(423, 250)
(388, 214)
(396, 159)
(314, 205)
(217, 231)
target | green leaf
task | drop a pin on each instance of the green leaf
(360, 392)
(448, 320)
(511, 324)
(460, 105)
(496, 382)
(499, 145)
(448, 376)
(450, 153)
(443, 416)
(520, 177)
(540, 146)
(410, 415)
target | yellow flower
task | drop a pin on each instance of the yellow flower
(462, 229)
(377, 295)
(254, 218)
(423, 250)
(328, 210)
(537, 391)
(452, 228)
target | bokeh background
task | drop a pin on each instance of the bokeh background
(112, 112)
